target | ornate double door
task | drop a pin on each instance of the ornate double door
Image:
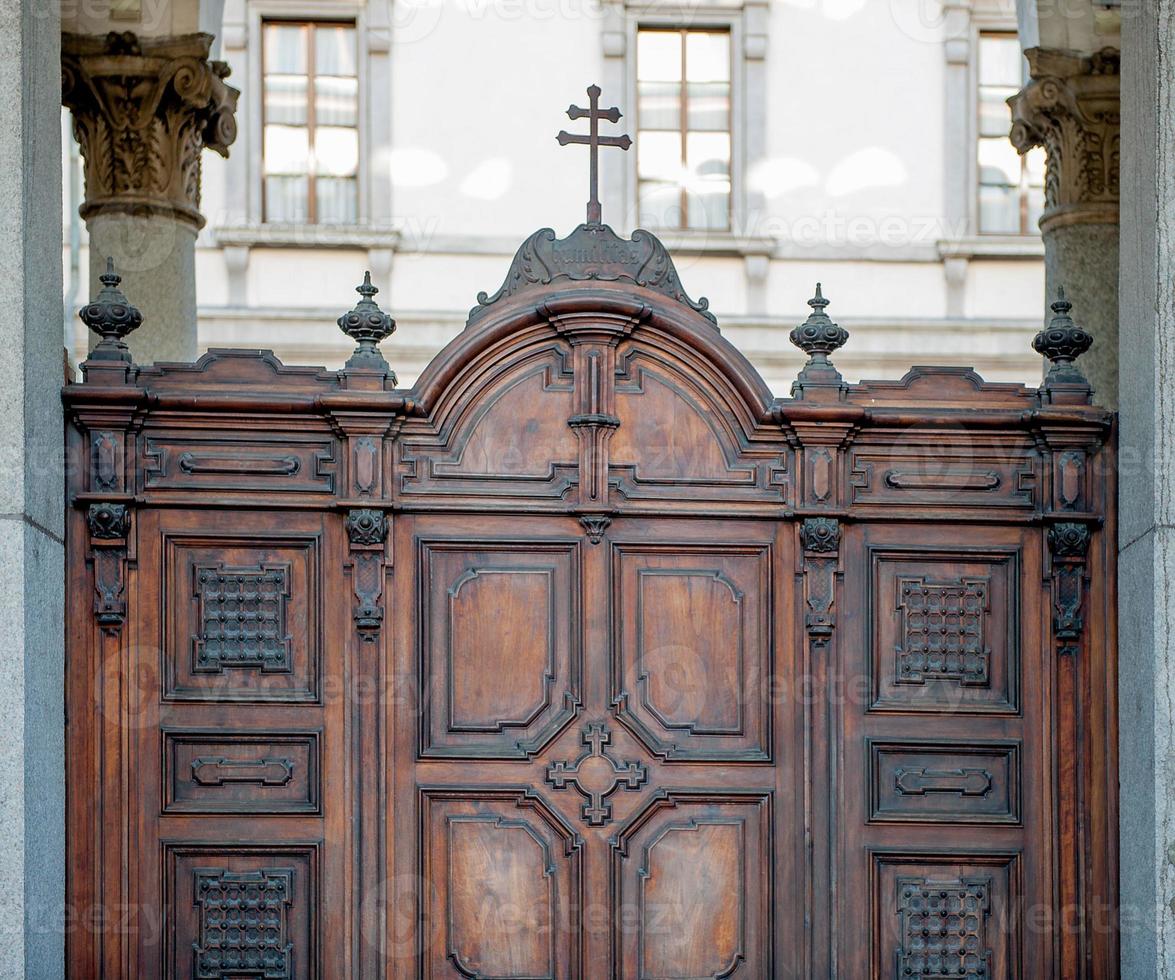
(605, 773)
(586, 658)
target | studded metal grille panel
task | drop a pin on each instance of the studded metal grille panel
(242, 617)
(943, 928)
(942, 631)
(243, 924)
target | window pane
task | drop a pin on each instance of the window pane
(1034, 163)
(334, 49)
(659, 157)
(336, 151)
(336, 201)
(995, 118)
(287, 150)
(660, 105)
(336, 101)
(285, 49)
(999, 163)
(709, 105)
(707, 56)
(285, 199)
(708, 156)
(1000, 60)
(999, 210)
(658, 56)
(709, 206)
(1034, 197)
(285, 99)
(660, 205)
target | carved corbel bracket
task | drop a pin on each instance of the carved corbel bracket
(367, 531)
(1069, 548)
(820, 540)
(595, 525)
(109, 526)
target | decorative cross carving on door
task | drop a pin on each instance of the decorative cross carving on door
(595, 775)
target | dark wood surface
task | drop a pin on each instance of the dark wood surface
(587, 658)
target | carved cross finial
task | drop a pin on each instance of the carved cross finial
(594, 141)
(111, 316)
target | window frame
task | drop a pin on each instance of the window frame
(1025, 223)
(371, 20)
(311, 177)
(683, 130)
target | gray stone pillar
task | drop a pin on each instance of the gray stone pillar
(1146, 533)
(32, 587)
(1071, 108)
(143, 112)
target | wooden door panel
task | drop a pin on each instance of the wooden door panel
(643, 824)
(946, 631)
(237, 745)
(693, 648)
(242, 617)
(503, 873)
(500, 648)
(242, 911)
(939, 916)
(950, 837)
(693, 882)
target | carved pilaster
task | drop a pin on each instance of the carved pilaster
(820, 540)
(1072, 108)
(109, 525)
(367, 530)
(1068, 545)
(143, 110)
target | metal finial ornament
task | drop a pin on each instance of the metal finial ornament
(594, 141)
(112, 317)
(818, 336)
(367, 325)
(1062, 342)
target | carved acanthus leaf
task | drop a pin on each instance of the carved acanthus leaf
(1072, 108)
(143, 110)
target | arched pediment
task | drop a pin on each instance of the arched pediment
(594, 392)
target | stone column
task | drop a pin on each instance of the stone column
(32, 587)
(1146, 532)
(1071, 108)
(143, 111)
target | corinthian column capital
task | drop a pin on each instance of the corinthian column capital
(1072, 107)
(142, 112)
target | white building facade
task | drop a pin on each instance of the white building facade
(860, 143)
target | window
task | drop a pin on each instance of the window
(1011, 187)
(311, 117)
(683, 128)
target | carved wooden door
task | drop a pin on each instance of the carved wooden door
(587, 658)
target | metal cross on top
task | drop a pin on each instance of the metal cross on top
(594, 141)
